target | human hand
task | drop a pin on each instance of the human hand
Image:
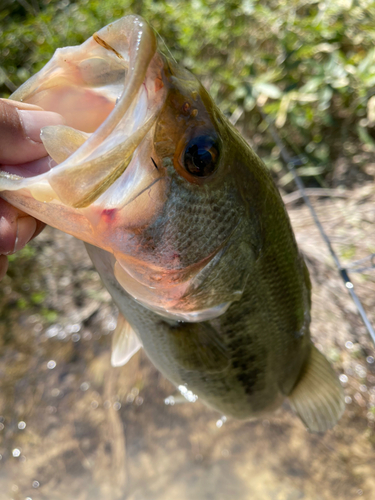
(22, 153)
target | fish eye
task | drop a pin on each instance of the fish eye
(201, 156)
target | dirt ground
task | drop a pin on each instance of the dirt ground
(73, 427)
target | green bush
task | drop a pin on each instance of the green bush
(309, 64)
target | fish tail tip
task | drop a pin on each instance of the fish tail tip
(318, 398)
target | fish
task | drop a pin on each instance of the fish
(184, 224)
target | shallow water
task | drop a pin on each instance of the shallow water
(73, 427)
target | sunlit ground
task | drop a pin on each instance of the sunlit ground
(73, 427)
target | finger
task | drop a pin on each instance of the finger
(39, 228)
(31, 168)
(22, 105)
(16, 228)
(3, 266)
(20, 132)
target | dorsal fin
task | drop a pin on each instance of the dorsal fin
(125, 342)
(318, 397)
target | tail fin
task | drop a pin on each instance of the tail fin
(318, 398)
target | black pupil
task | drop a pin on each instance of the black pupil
(201, 156)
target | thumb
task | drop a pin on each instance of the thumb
(20, 126)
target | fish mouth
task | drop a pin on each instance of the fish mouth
(106, 186)
(110, 92)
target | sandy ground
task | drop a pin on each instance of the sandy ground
(73, 427)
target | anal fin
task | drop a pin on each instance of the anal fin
(125, 342)
(318, 397)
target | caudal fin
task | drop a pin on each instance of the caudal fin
(318, 397)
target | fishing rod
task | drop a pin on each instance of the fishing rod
(291, 164)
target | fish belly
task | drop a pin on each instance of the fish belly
(230, 374)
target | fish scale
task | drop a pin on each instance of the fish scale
(174, 227)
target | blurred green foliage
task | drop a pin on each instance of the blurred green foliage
(309, 64)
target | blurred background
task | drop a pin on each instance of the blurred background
(73, 427)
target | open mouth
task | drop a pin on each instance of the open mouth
(109, 91)
(105, 187)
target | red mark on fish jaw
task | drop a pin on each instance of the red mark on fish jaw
(108, 214)
(158, 84)
(175, 260)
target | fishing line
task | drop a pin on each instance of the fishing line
(165, 46)
(291, 163)
(355, 266)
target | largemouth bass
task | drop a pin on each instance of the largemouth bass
(184, 224)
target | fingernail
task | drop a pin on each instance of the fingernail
(6, 239)
(22, 105)
(26, 227)
(33, 121)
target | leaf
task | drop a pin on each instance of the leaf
(283, 111)
(268, 90)
(311, 85)
(366, 138)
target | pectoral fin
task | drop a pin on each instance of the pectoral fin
(125, 342)
(318, 398)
